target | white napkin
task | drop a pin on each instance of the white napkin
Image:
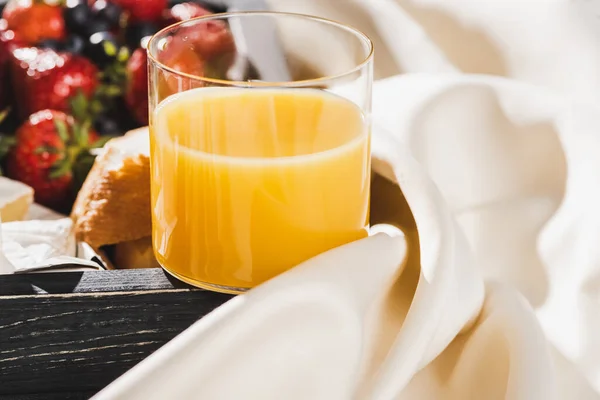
(6, 266)
(498, 294)
(44, 243)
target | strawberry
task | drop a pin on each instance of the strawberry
(9, 41)
(195, 45)
(183, 12)
(6, 141)
(143, 10)
(207, 38)
(49, 148)
(136, 94)
(46, 79)
(182, 59)
(34, 20)
(205, 49)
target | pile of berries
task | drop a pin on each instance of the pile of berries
(72, 74)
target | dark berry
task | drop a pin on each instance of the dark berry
(11, 123)
(120, 112)
(51, 44)
(110, 12)
(74, 44)
(78, 18)
(101, 48)
(213, 6)
(107, 125)
(96, 25)
(138, 31)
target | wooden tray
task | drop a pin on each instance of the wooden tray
(68, 335)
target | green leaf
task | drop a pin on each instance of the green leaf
(113, 90)
(96, 107)
(102, 140)
(4, 114)
(83, 165)
(6, 143)
(84, 137)
(120, 70)
(62, 130)
(123, 55)
(112, 74)
(110, 49)
(100, 91)
(79, 106)
(46, 149)
(60, 169)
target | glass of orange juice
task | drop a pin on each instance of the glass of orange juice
(260, 144)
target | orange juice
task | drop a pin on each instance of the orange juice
(247, 183)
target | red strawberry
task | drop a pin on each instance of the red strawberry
(183, 12)
(182, 59)
(35, 21)
(205, 49)
(136, 94)
(207, 38)
(9, 39)
(8, 43)
(46, 79)
(48, 148)
(143, 10)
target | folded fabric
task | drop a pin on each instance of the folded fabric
(493, 291)
(482, 165)
(553, 44)
(515, 165)
(44, 245)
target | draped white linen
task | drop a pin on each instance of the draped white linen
(486, 142)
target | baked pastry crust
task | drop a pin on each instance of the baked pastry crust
(135, 254)
(113, 204)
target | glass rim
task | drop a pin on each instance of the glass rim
(257, 83)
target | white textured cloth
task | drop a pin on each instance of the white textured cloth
(44, 242)
(493, 136)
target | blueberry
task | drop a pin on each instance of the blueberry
(51, 44)
(121, 113)
(116, 119)
(101, 48)
(137, 31)
(77, 18)
(109, 12)
(74, 44)
(11, 123)
(96, 25)
(107, 124)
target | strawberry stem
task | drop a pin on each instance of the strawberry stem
(4, 113)
(6, 143)
(60, 169)
(61, 129)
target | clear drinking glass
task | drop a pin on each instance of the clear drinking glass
(260, 144)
